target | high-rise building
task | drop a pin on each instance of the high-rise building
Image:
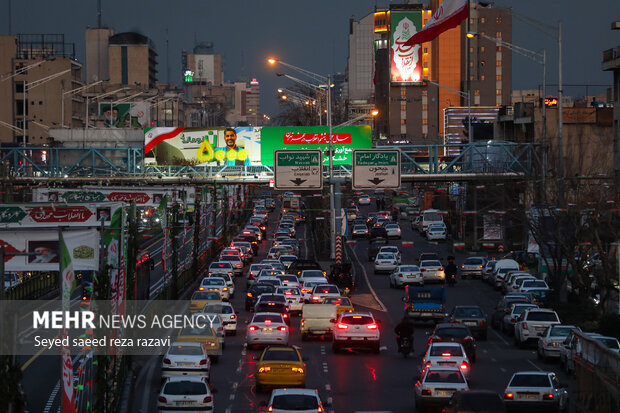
(35, 72)
(611, 62)
(132, 60)
(97, 42)
(410, 109)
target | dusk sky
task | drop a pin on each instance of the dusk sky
(312, 34)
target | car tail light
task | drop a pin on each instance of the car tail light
(249, 294)
(395, 263)
(481, 266)
(548, 396)
(468, 338)
(464, 366)
(253, 328)
(509, 396)
(225, 289)
(167, 361)
(400, 275)
(320, 410)
(203, 362)
(264, 369)
(422, 269)
(483, 323)
(315, 298)
(234, 316)
(297, 370)
(427, 365)
(162, 399)
(342, 326)
(524, 326)
(282, 328)
(201, 289)
(302, 322)
(446, 355)
(462, 267)
(371, 326)
(441, 269)
(426, 392)
(376, 262)
(207, 399)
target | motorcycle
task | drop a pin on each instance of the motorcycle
(451, 279)
(406, 346)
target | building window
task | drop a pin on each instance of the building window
(498, 63)
(498, 20)
(498, 77)
(471, 21)
(425, 64)
(471, 64)
(482, 63)
(476, 92)
(481, 49)
(498, 91)
(403, 107)
(498, 35)
(403, 121)
(471, 50)
(471, 77)
(19, 87)
(481, 77)
(499, 48)
(424, 107)
(403, 91)
(482, 20)
(426, 50)
(424, 121)
(124, 72)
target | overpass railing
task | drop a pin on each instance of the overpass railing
(476, 158)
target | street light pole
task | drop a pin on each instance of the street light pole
(332, 206)
(560, 136)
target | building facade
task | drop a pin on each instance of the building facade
(132, 60)
(611, 62)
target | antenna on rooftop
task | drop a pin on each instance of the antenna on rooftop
(99, 14)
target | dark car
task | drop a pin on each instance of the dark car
(255, 291)
(375, 246)
(455, 333)
(480, 401)
(503, 307)
(429, 256)
(473, 317)
(268, 306)
(377, 232)
(299, 265)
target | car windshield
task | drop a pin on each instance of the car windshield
(610, 343)
(457, 332)
(270, 307)
(359, 320)
(451, 376)
(542, 316)
(181, 350)
(263, 318)
(473, 261)
(185, 388)
(530, 380)
(472, 312)
(360, 228)
(430, 263)
(446, 351)
(205, 295)
(280, 355)
(293, 402)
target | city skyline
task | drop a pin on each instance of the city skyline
(250, 33)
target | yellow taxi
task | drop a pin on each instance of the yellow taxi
(201, 298)
(204, 335)
(280, 366)
(343, 304)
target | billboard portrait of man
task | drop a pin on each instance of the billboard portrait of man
(46, 252)
(103, 213)
(232, 154)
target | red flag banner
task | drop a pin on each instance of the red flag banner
(449, 14)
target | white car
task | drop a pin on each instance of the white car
(533, 285)
(364, 200)
(229, 283)
(385, 262)
(226, 313)
(536, 390)
(533, 323)
(190, 393)
(216, 284)
(235, 261)
(394, 250)
(473, 267)
(356, 330)
(288, 280)
(437, 385)
(253, 272)
(432, 270)
(393, 230)
(437, 231)
(267, 328)
(439, 354)
(321, 291)
(359, 231)
(293, 297)
(295, 401)
(186, 359)
(406, 274)
(552, 339)
(516, 309)
(220, 267)
(308, 286)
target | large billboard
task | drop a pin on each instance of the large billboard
(203, 146)
(344, 140)
(38, 215)
(405, 61)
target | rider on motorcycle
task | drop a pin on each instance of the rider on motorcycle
(451, 270)
(404, 329)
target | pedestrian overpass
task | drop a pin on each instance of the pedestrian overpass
(476, 161)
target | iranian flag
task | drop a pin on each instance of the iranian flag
(155, 135)
(449, 14)
(66, 270)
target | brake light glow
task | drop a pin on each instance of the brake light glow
(371, 326)
(302, 322)
(232, 317)
(203, 362)
(201, 289)
(297, 370)
(446, 355)
(342, 326)
(282, 328)
(548, 396)
(426, 392)
(440, 269)
(509, 396)
(253, 328)
(464, 366)
(264, 369)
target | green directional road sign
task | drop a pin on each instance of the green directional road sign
(298, 169)
(376, 168)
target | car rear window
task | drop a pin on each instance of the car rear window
(214, 281)
(181, 350)
(313, 273)
(430, 263)
(205, 295)
(530, 380)
(218, 265)
(280, 355)
(385, 256)
(473, 261)
(444, 377)
(185, 388)
(529, 284)
(457, 332)
(270, 307)
(262, 318)
(468, 312)
(608, 342)
(448, 351)
(410, 268)
(357, 320)
(263, 288)
(541, 316)
(295, 402)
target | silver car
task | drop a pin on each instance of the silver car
(552, 339)
(437, 385)
(186, 359)
(538, 390)
(473, 267)
(432, 270)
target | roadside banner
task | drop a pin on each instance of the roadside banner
(68, 281)
(40, 215)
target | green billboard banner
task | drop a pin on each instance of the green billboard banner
(344, 140)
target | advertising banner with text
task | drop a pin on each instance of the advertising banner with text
(202, 146)
(13, 216)
(405, 61)
(344, 140)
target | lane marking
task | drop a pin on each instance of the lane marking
(502, 369)
(33, 358)
(328, 387)
(52, 398)
(535, 366)
(383, 308)
(500, 337)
